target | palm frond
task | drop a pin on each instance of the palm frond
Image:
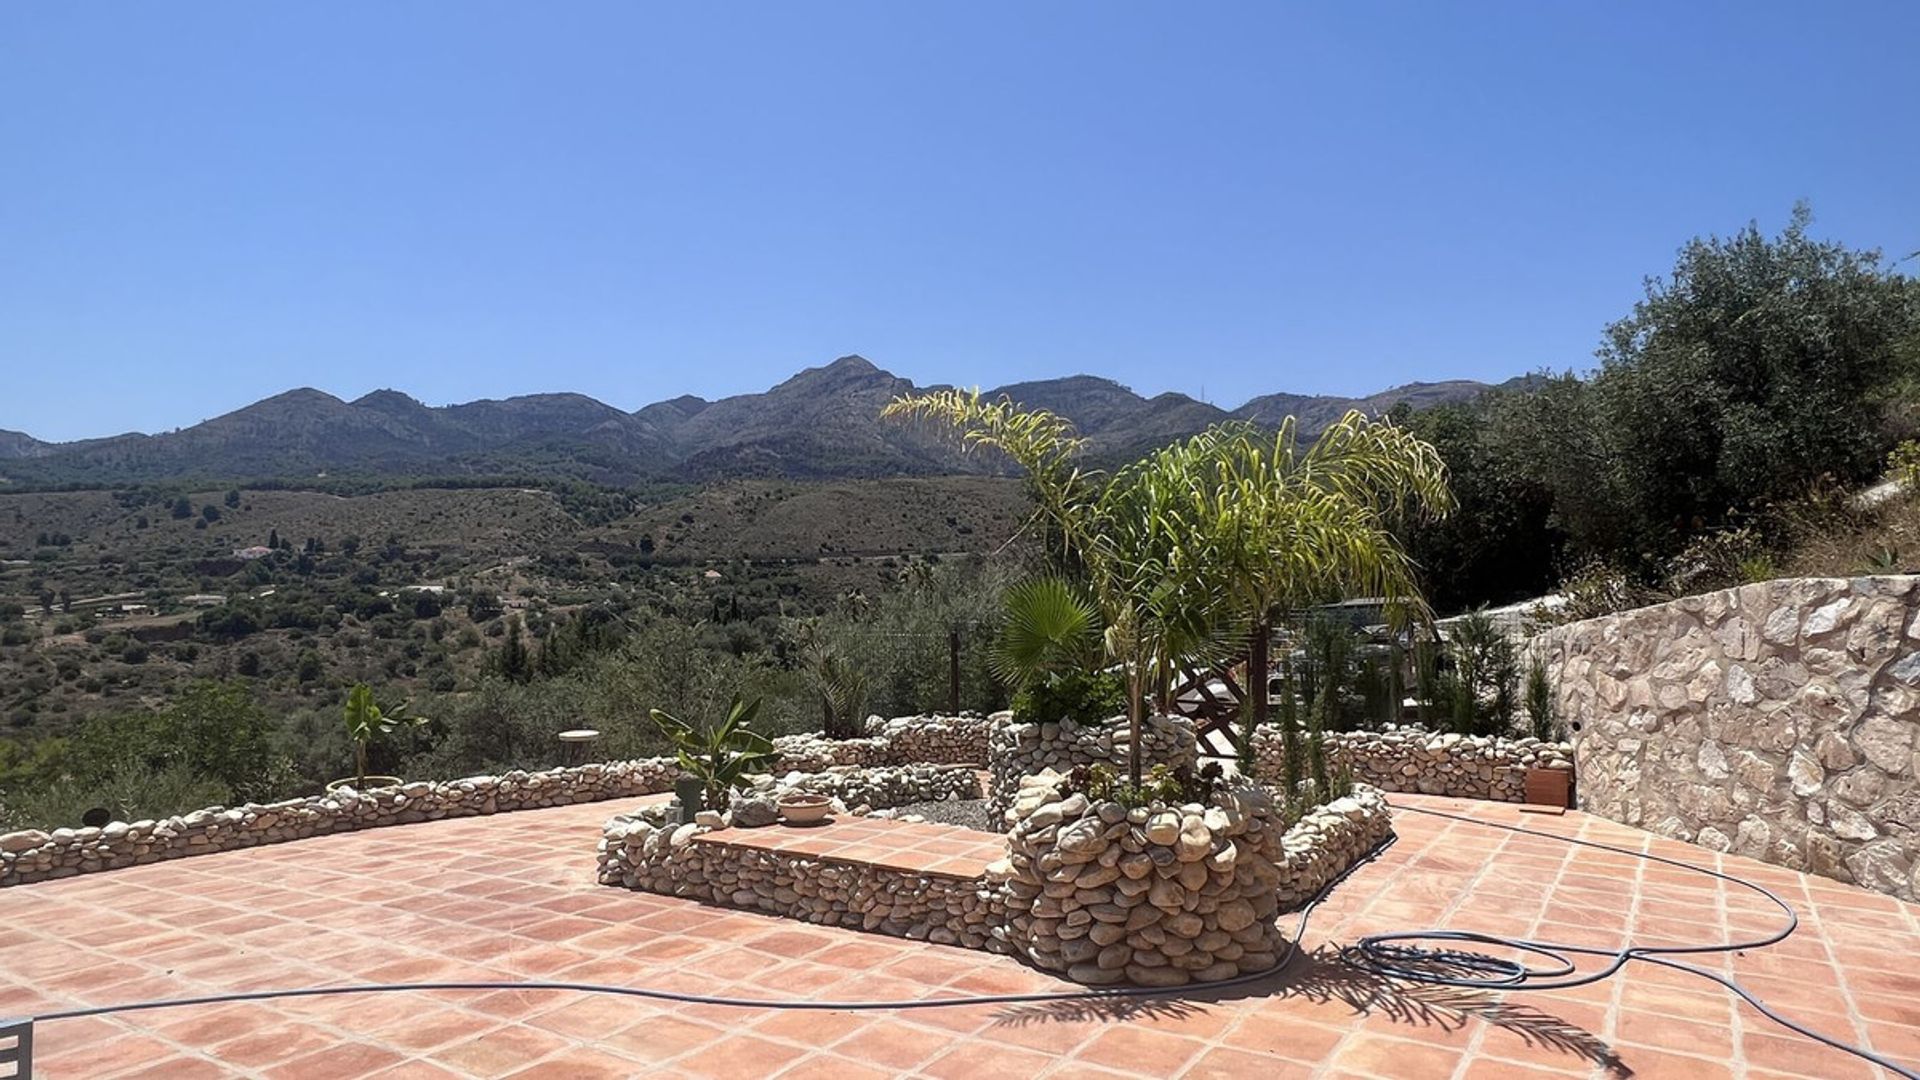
(1046, 628)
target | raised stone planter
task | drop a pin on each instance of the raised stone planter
(1018, 750)
(653, 856)
(1162, 896)
(1328, 840)
(1412, 759)
(645, 851)
(1155, 896)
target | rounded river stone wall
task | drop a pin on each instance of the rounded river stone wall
(1779, 721)
(1103, 894)
(903, 740)
(951, 740)
(645, 851)
(1154, 896)
(1328, 840)
(33, 855)
(1412, 759)
(1018, 750)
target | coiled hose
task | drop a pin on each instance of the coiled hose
(1392, 956)
(1385, 955)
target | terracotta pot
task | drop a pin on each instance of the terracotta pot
(371, 783)
(1549, 787)
(804, 809)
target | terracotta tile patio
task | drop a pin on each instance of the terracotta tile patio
(900, 845)
(507, 896)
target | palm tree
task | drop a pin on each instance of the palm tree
(1229, 524)
(1127, 539)
(1290, 528)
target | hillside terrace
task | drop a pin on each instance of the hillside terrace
(512, 897)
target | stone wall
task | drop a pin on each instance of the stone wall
(874, 771)
(32, 855)
(810, 751)
(1775, 720)
(904, 740)
(1154, 896)
(1159, 896)
(643, 851)
(1413, 759)
(1019, 750)
(951, 740)
(1328, 840)
(864, 789)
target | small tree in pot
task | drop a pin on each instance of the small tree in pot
(719, 756)
(366, 721)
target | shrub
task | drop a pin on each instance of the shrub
(1074, 695)
(1540, 718)
(1163, 784)
(720, 755)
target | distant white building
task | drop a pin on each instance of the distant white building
(205, 599)
(257, 551)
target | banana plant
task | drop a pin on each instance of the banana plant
(367, 722)
(721, 755)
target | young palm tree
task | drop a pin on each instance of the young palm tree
(1290, 528)
(1232, 522)
(1127, 538)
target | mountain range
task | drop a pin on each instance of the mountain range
(823, 422)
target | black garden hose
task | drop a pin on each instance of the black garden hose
(1393, 956)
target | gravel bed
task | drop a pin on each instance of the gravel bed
(968, 813)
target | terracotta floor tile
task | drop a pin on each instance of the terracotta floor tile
(274, 1044)
(1637, 1028)
(662, 1038)
(1795, 1056)
(1660, 1065)
(417, 1069)
(1387, 1057)
(979, 1060)
(1225, 1063)
(588, 1017)
(500, 1051)
(891, 1044)
(809, 1027)
(342, 1061)
(1141, 1050)
(832, 1067)
(740, 1056)
(1285, 1037)
(179, 1068)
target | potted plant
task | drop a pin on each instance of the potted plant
(366, 722)
(718, 756)
(804, 807)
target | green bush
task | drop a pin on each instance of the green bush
(1540, 719)
(1075, 695)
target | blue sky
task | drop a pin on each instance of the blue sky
(201, 205)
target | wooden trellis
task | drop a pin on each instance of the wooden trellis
(1215, 713)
